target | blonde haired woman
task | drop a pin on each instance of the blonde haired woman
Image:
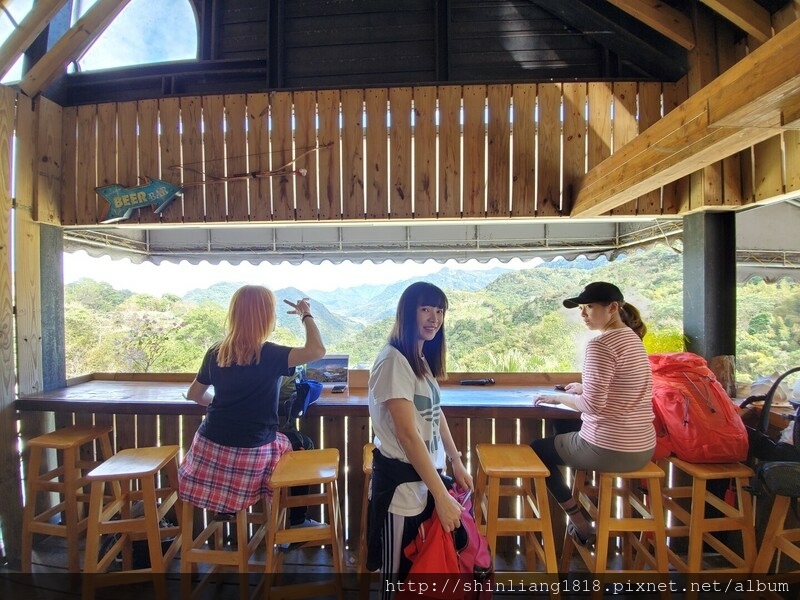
(237, 445)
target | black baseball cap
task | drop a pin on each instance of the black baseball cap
(597, 292)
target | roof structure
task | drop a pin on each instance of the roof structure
(251, 47)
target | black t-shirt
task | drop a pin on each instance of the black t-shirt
(244, 412)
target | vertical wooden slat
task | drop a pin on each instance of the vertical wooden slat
(305, 135)
(474, 169)
(330, 199)
(574, 142)
(169, 110)
(706, 183)
(127, 167)
(106, 160)
(236, 156)
(523, 157)
(281, 155)
(498, 194)
(69, 161)
(46, 202)
(146, 431)
(333, 436)
(400, 143)
(791, 144)
(214, 158)
(727, 35)
(192, 161)
(27, 283)
(649, 113)
(767, 165)
(189, 426)
(425, 152)
(358, 434)
(548, 143)
(459, 429)
(450, 151)
(169, 430)
(149, 156)
(377, 159)
(599, 132)
(624, 129)
(258, 149)
(353, 154)
(674, 194)
(87, 165)
(125, 427)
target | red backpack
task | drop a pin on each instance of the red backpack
(695, 419)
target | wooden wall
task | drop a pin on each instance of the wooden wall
(477, 151)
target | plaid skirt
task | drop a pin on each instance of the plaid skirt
(226, 478)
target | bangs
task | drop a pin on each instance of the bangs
(433, 296)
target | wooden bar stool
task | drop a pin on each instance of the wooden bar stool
(365, 576)
(636, 525)
(691, 521)
(783, 480)
(209, 548)
(498, 462)
(135, 471)
(311, 468)
(68, 480)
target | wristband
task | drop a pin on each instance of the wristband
(451, 459)
(305, 316)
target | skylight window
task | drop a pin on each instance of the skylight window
(145, 32)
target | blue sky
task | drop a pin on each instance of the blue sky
(146, 31)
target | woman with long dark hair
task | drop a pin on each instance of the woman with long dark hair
(412, 438)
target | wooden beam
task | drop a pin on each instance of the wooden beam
(71, 45)
(623, 35)
(756, 91)
(23, 35)
(747, 15)
(668, 21)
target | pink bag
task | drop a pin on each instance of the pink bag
(474, 556)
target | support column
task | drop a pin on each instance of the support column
(709, 291)
(54, 368)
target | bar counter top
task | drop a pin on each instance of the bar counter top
(163, 394)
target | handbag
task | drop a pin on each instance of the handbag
(762, 446)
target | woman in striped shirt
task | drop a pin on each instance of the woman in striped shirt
(614, 399)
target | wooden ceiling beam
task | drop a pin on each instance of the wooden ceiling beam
(71, 45)
(747, 15)
(32, 24)
(748, 103)
(660, 16)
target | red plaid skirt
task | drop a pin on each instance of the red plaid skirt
(225, 478)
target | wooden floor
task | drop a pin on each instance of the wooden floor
(51, 581)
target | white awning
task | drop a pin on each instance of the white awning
(768, 244)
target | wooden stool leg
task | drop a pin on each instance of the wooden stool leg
(29, 512)
(150, 502)
(775, 525)
(187, 536)
(548, 539)
(491, 518)
(604, 507)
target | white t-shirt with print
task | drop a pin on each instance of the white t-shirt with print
(391, 377)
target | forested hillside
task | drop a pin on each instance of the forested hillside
(499, 320)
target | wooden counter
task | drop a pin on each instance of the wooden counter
(148, 410)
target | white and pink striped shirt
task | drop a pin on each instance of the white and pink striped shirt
(617, 399)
